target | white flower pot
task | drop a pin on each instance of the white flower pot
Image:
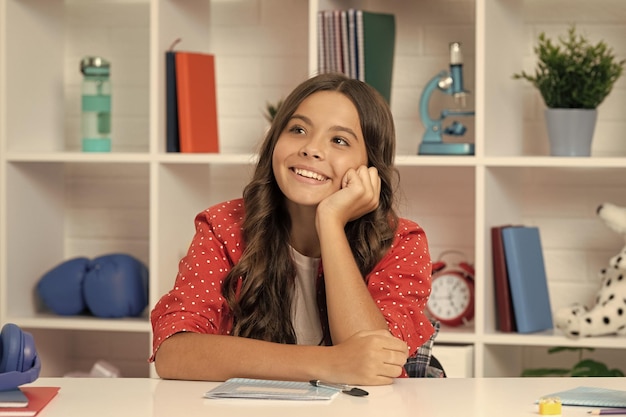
(571, 131)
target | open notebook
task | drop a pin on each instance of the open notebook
(592, 397)
(262, 389)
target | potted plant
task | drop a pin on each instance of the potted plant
(271, 109)
(573, 77)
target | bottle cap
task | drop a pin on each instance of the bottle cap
(95, 65)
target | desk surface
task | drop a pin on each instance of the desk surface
(480, 397)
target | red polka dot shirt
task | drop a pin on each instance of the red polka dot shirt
(399, 283)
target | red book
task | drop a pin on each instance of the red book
(505, 317)
(38, 398)
(197, 102)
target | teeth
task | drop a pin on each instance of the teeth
(310, 174)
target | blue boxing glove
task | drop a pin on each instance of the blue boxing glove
(116, 285)
(61, 288)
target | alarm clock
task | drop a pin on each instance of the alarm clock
(452, 293)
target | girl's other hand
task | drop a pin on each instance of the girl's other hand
(368, 358)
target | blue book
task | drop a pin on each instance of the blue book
(527, 279)
(13, 398)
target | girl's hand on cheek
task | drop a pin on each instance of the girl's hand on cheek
(359, 195)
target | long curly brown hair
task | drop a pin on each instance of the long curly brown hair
(261, 307)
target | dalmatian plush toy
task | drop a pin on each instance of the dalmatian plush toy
(608, 314)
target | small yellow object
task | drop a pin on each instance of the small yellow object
(550, 406)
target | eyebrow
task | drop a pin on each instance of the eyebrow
(335, 128)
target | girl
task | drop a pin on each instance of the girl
(311, 275)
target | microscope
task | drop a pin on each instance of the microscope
(449, 83)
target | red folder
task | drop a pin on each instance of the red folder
(197, 102)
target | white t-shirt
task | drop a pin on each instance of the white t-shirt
(304, 311)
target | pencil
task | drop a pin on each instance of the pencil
(608, 411)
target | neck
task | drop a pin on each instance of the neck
(303, 236)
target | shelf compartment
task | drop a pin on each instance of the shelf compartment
(511, 360)
(562, 203)
(507, 39)
(44, 92)
(70, 210)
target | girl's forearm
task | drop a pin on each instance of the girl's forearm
(208, 357)
(350, 305)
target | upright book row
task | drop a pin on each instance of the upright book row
(359, 44)
(191, 102)
(521, 288)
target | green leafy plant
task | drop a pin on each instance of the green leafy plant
(584, 367)
(573, 73)
(271, 110)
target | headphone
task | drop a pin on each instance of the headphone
(19, 362)
(113, 286)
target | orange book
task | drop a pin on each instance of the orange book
(197, 102)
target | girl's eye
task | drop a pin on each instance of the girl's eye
(340, 141)
(297, 130)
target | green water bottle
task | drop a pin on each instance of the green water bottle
(96, 104)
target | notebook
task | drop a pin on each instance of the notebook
(262, 389)
(13, 398)
(527, 279)
(592, 397)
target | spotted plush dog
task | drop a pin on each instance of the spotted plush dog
(608, 314)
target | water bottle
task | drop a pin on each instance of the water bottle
(96, 104)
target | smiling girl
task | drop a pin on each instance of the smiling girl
(311, 275)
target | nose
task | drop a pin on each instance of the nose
(312, 148)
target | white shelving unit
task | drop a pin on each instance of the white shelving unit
(56, 202)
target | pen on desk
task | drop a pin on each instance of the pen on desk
(608, 411)
(346, 389)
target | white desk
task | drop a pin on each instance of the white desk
(485, 397)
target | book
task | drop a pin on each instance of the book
(262, 389)
(527, 279)
(352, 44)
(592, 397)
(376, 35)
(13, 398)
(358, 43)
(197, 102)
(505, 317)
(171, 104)
(345, 44)
(38, 398)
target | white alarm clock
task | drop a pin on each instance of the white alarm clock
(452, 293)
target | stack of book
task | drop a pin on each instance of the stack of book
(359, 44)
(521, 288)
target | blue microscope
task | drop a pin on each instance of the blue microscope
(449, 83)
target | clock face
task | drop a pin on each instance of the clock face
(450, 297)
